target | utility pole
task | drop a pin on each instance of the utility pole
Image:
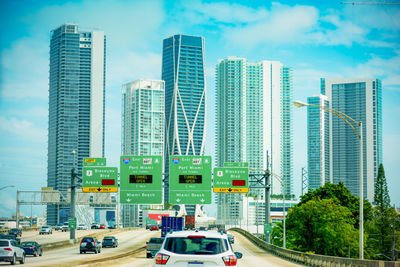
(17, 213)
(73, 202)
(267, 176)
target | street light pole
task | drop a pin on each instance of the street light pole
(361, 181)
(73, 199)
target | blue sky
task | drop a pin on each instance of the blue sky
(316, 38)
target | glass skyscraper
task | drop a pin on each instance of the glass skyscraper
(183, 70)
(142, 129)
(254, 116)
(76, 106)
(318, 142)
(361, 99)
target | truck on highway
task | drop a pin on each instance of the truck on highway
(153, 246)
(171, 224)
(189, 222)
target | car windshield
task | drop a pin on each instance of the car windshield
(27, 244)
(4, 243)
(195, 245)
(107, 239)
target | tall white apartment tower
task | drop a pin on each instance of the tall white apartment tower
(361, 99)
(76, 107)
(254, 115)
(142, 129)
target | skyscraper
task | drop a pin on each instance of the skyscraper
(361, 99)
(183, 70)
(76, 106)
(254, 115)
(318, 142)
(142, 129)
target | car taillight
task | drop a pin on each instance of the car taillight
(9, 249)
(161, 258)
(230, 260)
(32, 247)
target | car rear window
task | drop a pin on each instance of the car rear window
(4, 243)
(27, 244)
(87, 239)
(156, 240)
(195, 245)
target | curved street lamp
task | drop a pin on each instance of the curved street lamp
(4, 187)
(346, 118)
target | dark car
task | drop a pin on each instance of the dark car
(153, 246)
(109, 241)
(15, 231)
(90, 244)
(231, 238)
(32, 248)
(95, 226)
(10, 237)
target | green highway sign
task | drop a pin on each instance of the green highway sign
(231, 180)
(190, 179)
(94, 162)
(72, 222)
(267, 228)
(236, 164)
(100, 179)
(141, 180)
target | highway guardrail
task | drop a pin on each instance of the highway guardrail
(313, 259)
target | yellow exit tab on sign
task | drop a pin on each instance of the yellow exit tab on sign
(230, 190)
(99, 189)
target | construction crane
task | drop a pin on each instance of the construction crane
(371, 3)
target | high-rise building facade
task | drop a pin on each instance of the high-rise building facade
(76, 106)
(142, 130)
(183, 70)
(318, 142)
(360, 99)
(254, 116)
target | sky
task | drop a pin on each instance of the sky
(316, 38)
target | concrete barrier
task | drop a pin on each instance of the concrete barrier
(313, 259)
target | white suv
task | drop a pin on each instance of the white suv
(192, 247)
(45, 230)
(11, 252)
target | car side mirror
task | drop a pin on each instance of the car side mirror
(238, 255)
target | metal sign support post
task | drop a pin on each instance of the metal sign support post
(73, 202)
(267, 199)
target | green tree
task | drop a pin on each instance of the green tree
(343, 196)
(379, 228)
(321, 226)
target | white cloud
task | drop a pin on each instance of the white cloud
(377, 67)
(37, 112)
(25, 69)
(222, 12)
(132, 66)
(283, 25)
(23, 129)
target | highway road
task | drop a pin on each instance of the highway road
(129, 241)
(131, 252)
(252, 256)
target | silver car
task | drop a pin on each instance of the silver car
(11, 252)
(187, 248)
(45, 230)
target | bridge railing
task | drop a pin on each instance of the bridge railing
(313, 259)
